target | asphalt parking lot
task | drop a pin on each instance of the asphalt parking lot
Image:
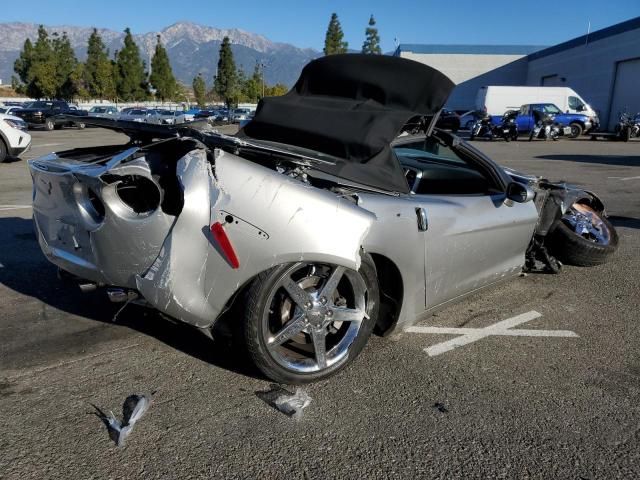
(561, 404)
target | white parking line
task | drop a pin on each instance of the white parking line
(13, 207)
(624, 179)
(470, 335)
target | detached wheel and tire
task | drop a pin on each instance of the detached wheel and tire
(576, 130)
(583, 237)
(306, 321)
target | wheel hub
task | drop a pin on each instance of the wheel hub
(319, 314)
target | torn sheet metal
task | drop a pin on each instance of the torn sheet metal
(270, 219)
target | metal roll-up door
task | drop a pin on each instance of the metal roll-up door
(626, 90)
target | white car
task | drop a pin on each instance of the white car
(167, 117)
(102, 111)
(136, 115)
(9, 110)
(14, 139)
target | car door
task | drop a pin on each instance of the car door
(524, 120)
(475, 236)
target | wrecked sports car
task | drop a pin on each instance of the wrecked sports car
(338, 210)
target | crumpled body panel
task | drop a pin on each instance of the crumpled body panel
(276, 220)
(107, 248)
(173, 260)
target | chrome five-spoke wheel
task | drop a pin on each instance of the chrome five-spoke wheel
(305, 321)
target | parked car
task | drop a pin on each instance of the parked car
(448, 120)
(495, 100)
(135, 115)
(243, 123)
(316, 225)
(102, 111)
(14, 138)
(190, 114)
(530, 114)
(48, 114)
(240, 114)
(166, 117)
(9, 110)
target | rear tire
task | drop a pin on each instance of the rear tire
(292, 354)
(3, 151)
(574, 249)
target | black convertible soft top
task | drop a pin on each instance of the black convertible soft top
(351, 107)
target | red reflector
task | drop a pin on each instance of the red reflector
(225, 245)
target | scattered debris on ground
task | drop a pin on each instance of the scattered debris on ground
(440, 407)
(291, 404)
(133, 408)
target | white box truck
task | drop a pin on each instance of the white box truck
(496, 100)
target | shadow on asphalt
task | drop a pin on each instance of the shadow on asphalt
(26, 271)
(628, 222)
(621, 160)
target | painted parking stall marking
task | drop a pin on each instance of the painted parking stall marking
(13, 207)
(470, 335)
(625, 179)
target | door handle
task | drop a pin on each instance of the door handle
(423, 222)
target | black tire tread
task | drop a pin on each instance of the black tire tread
(572, 249)
(3, 151)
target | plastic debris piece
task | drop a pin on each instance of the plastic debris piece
(133, 408)
(291, 404)
(440, 407)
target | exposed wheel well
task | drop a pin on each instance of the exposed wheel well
(391, 293)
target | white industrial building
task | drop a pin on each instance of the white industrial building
(603, 67)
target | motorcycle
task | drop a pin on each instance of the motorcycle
(482, 127)
(507, 129)
(545, 127)
(627, 127)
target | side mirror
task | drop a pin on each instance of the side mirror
(520, 193)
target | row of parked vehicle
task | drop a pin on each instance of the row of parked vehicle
(46, 114)
(545, 121)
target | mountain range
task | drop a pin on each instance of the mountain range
(192, 49)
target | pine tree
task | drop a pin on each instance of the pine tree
(162, 78)
(371, 44)
(225, 83)
(22, 65)
(79, 82)
(66, 64)
(98, 69)
(333, 43)
(131, 77)
(200, 90)
(42, 72)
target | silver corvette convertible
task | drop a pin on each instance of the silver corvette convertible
(338, 210)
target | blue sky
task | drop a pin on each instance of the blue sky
(303, 22)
